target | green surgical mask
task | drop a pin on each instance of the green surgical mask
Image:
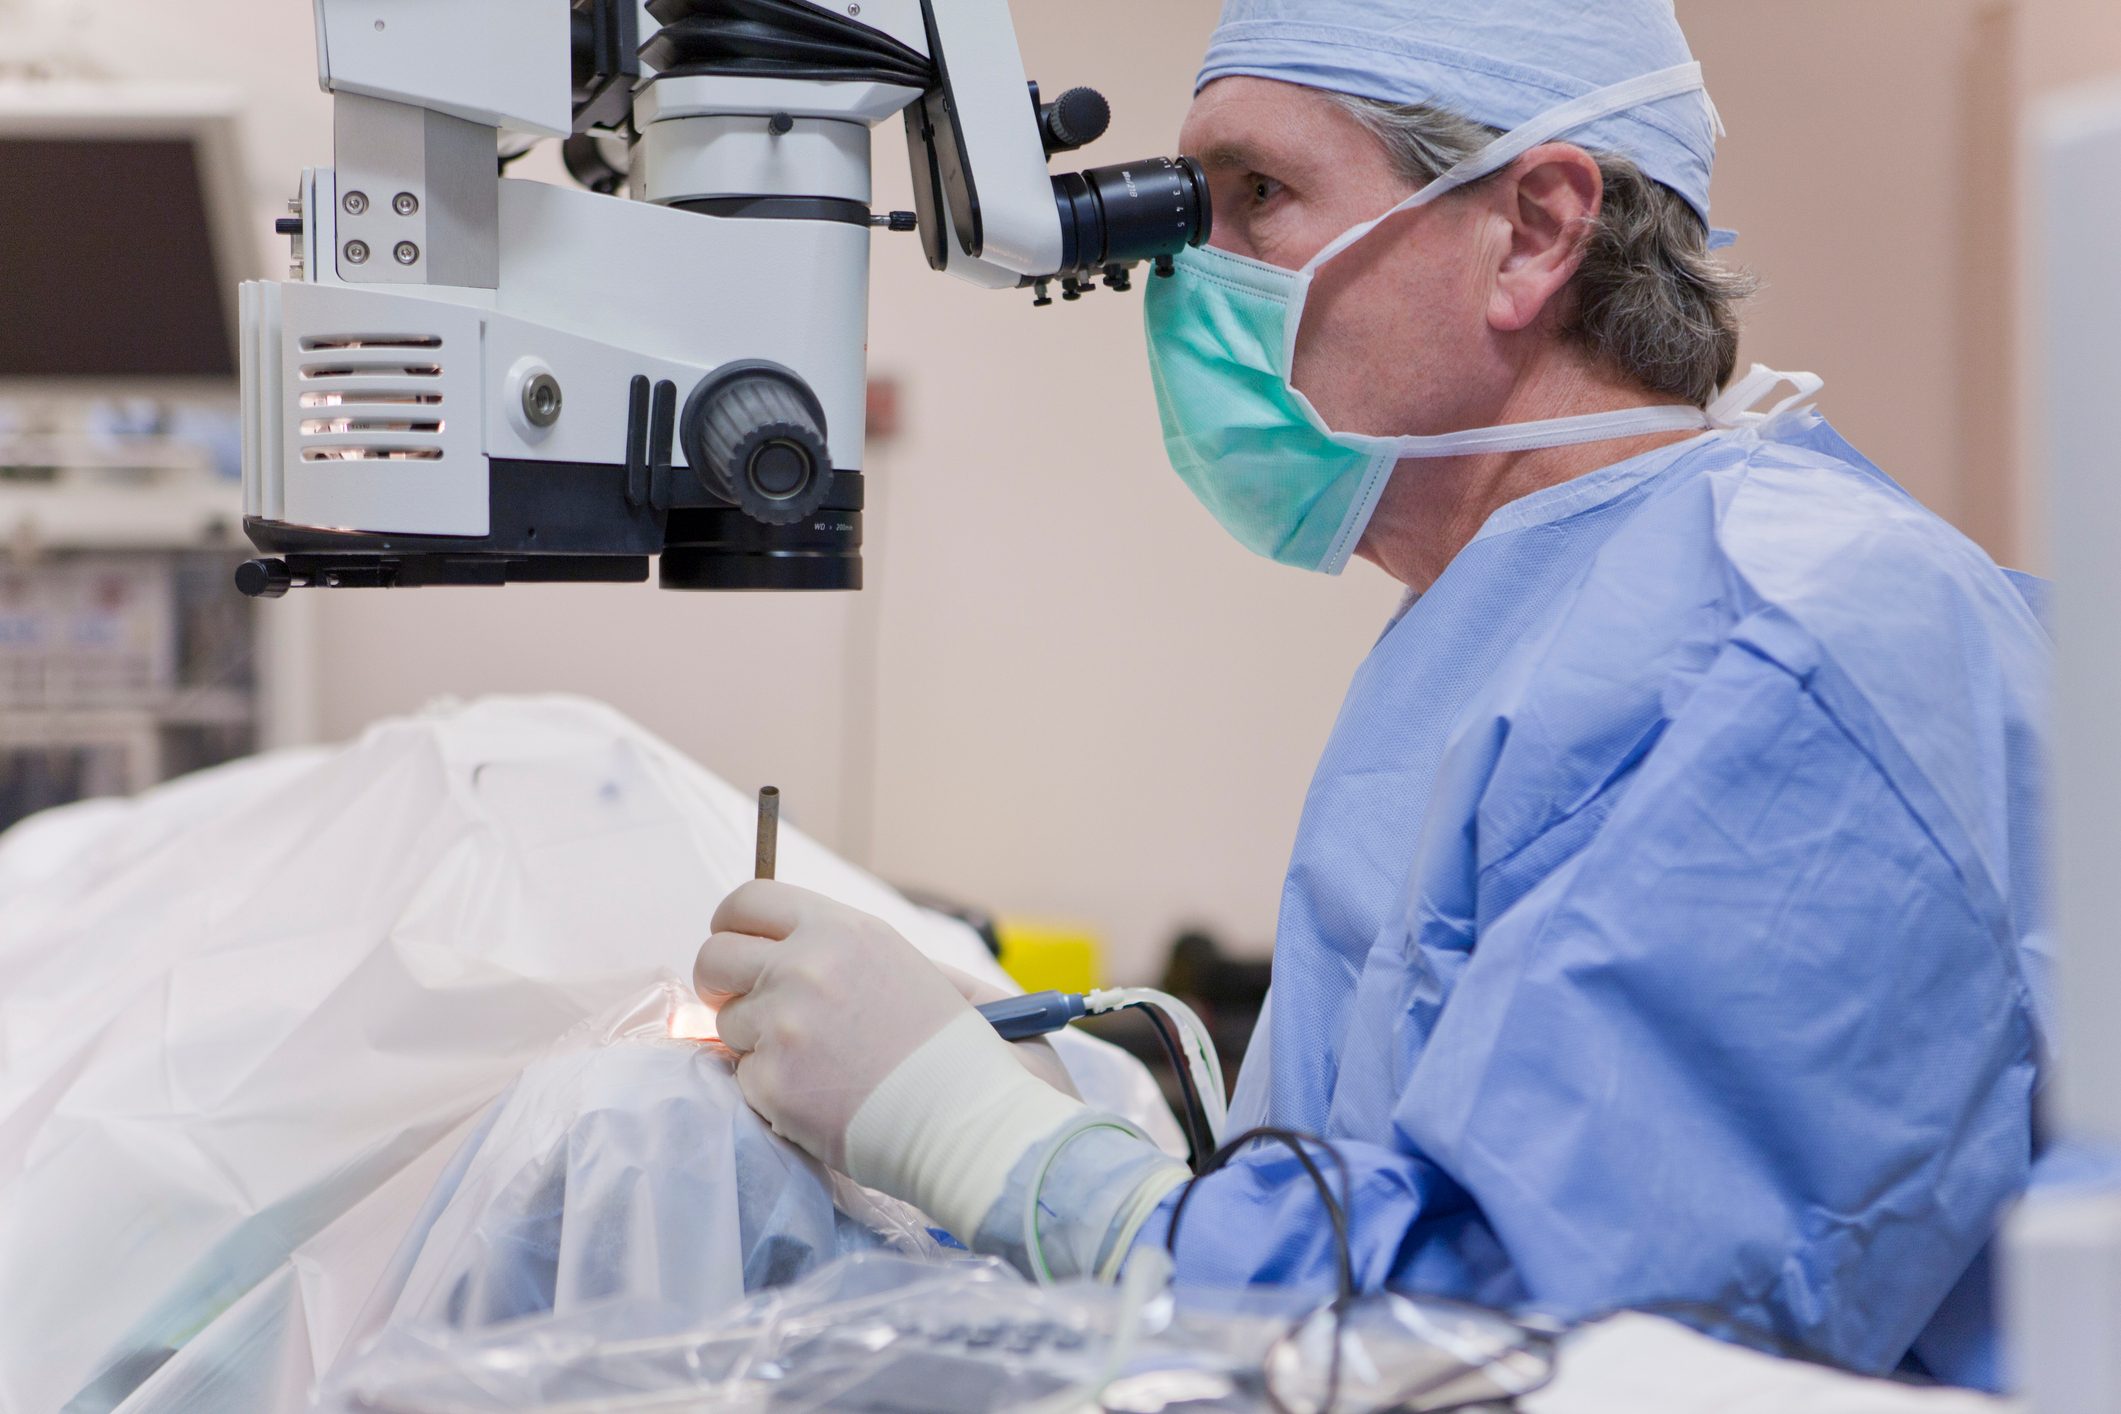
(1222, 350)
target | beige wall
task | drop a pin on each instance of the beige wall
(1093, 703)
(1066, 692)
(2069, 42)
(1857, 174)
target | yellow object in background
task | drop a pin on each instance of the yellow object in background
(1051, 957)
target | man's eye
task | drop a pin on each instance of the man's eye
(1264, 189)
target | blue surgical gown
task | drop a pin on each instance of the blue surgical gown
(1665, 923)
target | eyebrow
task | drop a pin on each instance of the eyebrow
(1232, 156)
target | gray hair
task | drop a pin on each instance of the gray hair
(1650, 300)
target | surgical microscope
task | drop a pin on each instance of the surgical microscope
(471, 379)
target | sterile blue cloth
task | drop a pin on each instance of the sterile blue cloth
(1665, 923)
(1501, 64)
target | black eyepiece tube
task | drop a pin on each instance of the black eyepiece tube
(1133, 212)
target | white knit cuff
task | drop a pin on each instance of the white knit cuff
(946, 1127)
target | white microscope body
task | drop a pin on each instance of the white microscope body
(476, 380)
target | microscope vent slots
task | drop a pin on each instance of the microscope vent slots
(374, 410)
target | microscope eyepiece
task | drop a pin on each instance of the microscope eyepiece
(1131, 212)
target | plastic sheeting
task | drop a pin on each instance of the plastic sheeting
(874, 1333)
(877, 1334)
(247, 1020)
(882, 1335)
(624, 1165)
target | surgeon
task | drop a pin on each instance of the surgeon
(1665, 925)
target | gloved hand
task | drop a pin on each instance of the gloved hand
(820, 1002)
(857, 1048)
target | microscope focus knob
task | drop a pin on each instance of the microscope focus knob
(1077, 118)
(756, 436)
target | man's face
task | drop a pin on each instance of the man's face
(1395, 337)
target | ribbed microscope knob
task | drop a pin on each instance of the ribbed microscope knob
(1077, 118)
(761, 445)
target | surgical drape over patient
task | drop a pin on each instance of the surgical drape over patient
(247, 1021)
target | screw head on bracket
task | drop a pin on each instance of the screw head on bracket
(355, 202)
(405, 203)
(357, 252)
(541, 399)
(406, 252)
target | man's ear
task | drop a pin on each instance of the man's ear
(1549, 199)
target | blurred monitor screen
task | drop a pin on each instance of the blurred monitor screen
(108, 266)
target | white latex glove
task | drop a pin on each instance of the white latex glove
(858, 1049)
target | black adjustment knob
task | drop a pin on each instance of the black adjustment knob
(755, 435)
(1077, 118)
(264, 579)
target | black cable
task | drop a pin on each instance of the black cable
(1336, 1213)
(1539, 1344)
(1198, 1148)
(1193, 1119)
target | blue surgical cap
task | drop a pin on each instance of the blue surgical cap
(1501, 63)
